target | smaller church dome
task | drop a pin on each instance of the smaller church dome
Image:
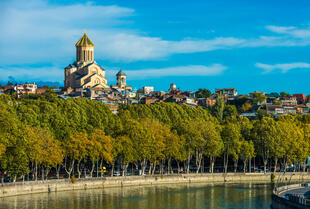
(84, 42)
(120, 73)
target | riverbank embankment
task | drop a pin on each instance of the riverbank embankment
(295, 196)
(30, 187)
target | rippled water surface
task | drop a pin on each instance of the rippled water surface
(194, 195)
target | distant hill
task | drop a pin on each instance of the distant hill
(39, 83)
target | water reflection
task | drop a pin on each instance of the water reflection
(247, 195)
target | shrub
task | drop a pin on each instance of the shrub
(272, 177)
(73, 179)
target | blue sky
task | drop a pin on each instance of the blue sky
(250, 45)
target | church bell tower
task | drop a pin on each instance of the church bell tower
(84, 49)
(121, 79)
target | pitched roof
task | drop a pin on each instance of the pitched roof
(120, 73)
(84, 42)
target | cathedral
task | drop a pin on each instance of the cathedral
(86, 73)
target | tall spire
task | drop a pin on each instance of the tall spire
(85, 41)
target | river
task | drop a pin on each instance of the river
(178, 196)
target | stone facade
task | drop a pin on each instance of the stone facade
(121, 82)
(85, 72)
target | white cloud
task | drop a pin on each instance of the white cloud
(303, 33)
(38, 32)
(133, 47)
(190, 70)
(283, 67)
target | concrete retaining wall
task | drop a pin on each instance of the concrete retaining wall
(19, 188)
(280, 202)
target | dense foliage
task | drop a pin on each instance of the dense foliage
(40, 134)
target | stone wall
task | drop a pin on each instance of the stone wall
(20, 188)
(280, 202)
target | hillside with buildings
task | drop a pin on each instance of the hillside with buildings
(85, 78)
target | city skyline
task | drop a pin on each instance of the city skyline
(263, 47)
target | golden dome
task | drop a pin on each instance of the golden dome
(84, 42)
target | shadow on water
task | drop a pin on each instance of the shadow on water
(174, 196)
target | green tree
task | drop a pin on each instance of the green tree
(247, 152)
(292, 140)
(194, 142)
(100, 149)
(75, 147)
(261, 114)
(156, 143)
(173, 148)
(35, 148)
(265, 132)
(125, 151)
(218, 108)
(214, 144)
(274, 94)
(246, 107)
(229, 111)
(259, 98)
(284, 94)
(16, 161)
(203, 93)
(12, 142)
(231, 138)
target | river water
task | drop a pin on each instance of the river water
(170, 196)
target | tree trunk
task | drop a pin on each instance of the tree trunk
(169, 166)
(112, 169)
(285, 165)
(143, 166)
(47, 172)
(124, 167)
(244, 165)
(188, 162)
(235, 165)
(198, 161)
(203, 165)
(92, 169)
(265, 164)
(225, 162)
(42, 169)
(178, 164)
(212, 161)
(275, 164)
(154, 167)
(96, 170)
(69, 170)
(78, 168)
(101, 168)
(250, 165)
(161, 167)
(36, 171)
(57, 171)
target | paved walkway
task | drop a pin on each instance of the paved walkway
(304, 191)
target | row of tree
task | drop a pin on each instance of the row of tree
(43, 133)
